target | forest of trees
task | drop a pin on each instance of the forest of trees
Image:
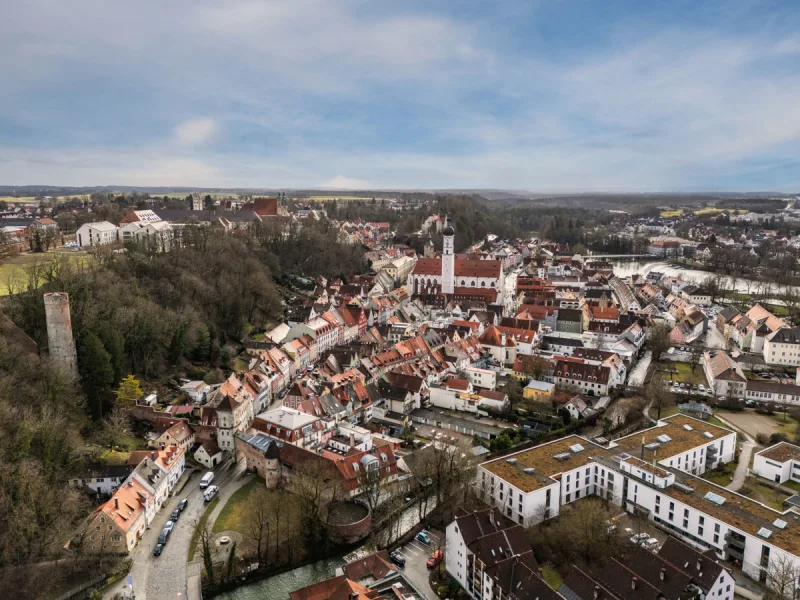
(153, 313)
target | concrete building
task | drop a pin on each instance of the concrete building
(483, 378)
(655, 474)
(779, 463)
(782, 347)
(61, 344)
(539, 391)
(724, 375)
(96, 234)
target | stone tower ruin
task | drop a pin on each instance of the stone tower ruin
(59, 332)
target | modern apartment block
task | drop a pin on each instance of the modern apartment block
(653, 473)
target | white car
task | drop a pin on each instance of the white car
(638, 538)
(209, 494)
(650, 543)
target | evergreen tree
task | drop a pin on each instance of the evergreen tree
(97, 372)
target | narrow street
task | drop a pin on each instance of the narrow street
(165, 576)
(637, 376)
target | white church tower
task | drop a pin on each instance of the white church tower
(448, 259)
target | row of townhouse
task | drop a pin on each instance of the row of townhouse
(655, 473)
(490, 558)
(117, 525)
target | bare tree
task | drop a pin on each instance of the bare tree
(782, 576)
(658, 340)
(257, 516)
(656, 395)
(695, 355)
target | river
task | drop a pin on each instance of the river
(625, 268)
(278, 587)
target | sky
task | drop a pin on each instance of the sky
(550, 96)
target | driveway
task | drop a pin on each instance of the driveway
(416, 554)
(165, 576)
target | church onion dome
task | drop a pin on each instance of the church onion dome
(449, 229)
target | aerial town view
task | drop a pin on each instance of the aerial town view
(333, 299)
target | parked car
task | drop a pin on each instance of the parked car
(209, 494)
(650, 543)
(158, 549)
(435, 559)
(638, 538)
(423, 537)
(702, 387)
(182, 504)
(397, 559)
(175, 514)
(169, 525)
(164, 536)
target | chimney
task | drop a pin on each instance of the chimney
(663, 573)
(633, 583)
(596, 592)
(491, 516)
(699, 566)
(116, 502)
(153, 455)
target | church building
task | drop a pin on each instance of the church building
(457, 278)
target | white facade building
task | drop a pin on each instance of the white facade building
(96, 234)
(779, 463)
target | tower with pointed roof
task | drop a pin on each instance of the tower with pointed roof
(448, 259)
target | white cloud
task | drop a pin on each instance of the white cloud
(340, 182)
(196, 132)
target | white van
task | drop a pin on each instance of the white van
(206, 480)
(210, 493)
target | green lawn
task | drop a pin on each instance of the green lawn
(671, 213)
(552, 577)
(761, 493)
(721, 477)
(200, 524)
(784, 424)
(715, 421)
(240, 365)
(683, 373)
(230, 517)
(14, 269)
(792, 485)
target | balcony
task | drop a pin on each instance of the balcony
(734, 552)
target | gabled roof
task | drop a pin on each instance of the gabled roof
(703, 569)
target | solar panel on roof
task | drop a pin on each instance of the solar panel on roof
(715, 498)
(664, 438)
(511, 461)
(652, 445)
(562, 456)
(576, 448)
(780, 523)
(687, 427)
(764, 532)
(708, 435)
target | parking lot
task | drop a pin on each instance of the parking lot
(628, 527)
(416, 554)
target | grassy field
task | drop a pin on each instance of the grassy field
(200, 524)
(338, 199)
(711, 210)
(761, 493)
(230, 517)
(683, 373)
(721, 477)
(552, 577)
(34, 199)
(14, 269)
(671, 213)
(784, 424)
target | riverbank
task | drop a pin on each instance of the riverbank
(742, 287)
